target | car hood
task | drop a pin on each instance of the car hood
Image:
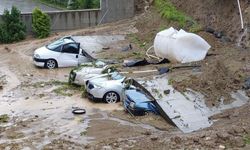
(137, 96)
(41, 50)
(101, 81)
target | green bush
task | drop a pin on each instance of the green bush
(12, 28)
(40, 23)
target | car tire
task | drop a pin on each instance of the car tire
(111, 97)
(51, 64)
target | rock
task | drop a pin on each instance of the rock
(238, 142)
(247, 84)
(218, 34)
(154, 138)
(223, 136)
(87, 146)
(225, 39)
(238, 129)
(147, 133)
(166, 92)
(209, 30)
(42, 85)
(222, 147)
(106, 148)
(208, 138)
(176, 139)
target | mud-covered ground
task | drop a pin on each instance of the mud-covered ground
(38, 102)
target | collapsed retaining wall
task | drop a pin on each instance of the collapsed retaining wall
(110, 11)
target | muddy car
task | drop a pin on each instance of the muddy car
(81, 74)
(107, 88)
(137, 101)
(64, 52)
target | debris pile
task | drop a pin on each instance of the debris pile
(216, 83)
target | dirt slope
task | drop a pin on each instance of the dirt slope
(221, 15)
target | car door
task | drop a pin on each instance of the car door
(83, 57)
(69, 55)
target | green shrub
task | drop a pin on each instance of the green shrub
(168, 11)
(12, 28)
(40, 23)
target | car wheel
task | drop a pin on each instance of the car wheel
(51, 64)
(111, 97)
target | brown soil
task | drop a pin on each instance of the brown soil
(216, 83)
(220, 15)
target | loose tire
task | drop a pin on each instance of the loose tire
(111, 97)
(51, 64)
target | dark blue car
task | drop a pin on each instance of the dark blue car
(137, 103)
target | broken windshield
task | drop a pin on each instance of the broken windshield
(55, 44)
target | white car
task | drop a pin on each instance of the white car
(81, 74)
(107, 88)
(64, 52)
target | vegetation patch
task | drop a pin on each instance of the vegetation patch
(68, 89)
(40, 23)
(246, 139)
(4, 118)
(167, 10)
(12, 29)
(72, 4)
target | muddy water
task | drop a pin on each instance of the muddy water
(39, 116)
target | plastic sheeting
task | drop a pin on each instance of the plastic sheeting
(180, 46)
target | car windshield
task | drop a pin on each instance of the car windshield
(116, 76)
(59, 43)
(55, 44)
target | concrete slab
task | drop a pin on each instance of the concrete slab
(188, 110)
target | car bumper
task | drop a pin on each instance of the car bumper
(96, 93)
(39, 62)
(95, 99)
(135, 112)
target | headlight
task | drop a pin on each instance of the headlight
(132, 104)
(97, 86)
(37, 56)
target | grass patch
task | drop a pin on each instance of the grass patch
(4, 118)
(83, 133)
(67, 89)
(246, 139)
(48, 83)
(167, 10)
(136, 40)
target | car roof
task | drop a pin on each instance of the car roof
(137, 96)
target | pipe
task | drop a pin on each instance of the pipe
(241, 18)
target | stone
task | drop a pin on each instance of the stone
(154, 138)
(222, 147)
(224, 136)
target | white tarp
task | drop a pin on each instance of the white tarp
(180, 46)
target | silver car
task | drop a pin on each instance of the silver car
(107, 88)
(80, 75)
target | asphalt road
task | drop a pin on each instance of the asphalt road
(23, 5)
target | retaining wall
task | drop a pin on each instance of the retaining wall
(110, 11)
